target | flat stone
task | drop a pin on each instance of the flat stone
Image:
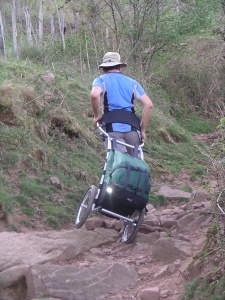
(151, 293)
(75, 282)
(173, 194)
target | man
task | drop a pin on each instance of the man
(115, 91)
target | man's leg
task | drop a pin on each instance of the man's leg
(132, 138)
(118, 136)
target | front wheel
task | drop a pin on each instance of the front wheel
(131, 229)
(85, 206)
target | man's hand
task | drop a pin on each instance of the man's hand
(96, 119)
(143, 135)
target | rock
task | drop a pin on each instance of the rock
(185, 268)
(20, 248)
(48, 77)
(56, 182)
(151, 293)
(148, 228)
(184, 221)
(119, 225)
(168, 222)
(13, 275)
(173, 194)
(165, 294)
(200, 195)
(47, 298)
(93, 223)
(150, 208)
(198, 205)
(195, 224)
(149, 238)
(75, 282)
(163, 272)
(183, 238)
(168, 250)
(151, 221)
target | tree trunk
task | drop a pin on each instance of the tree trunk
(177, 5)
(18, 9)
(28, 26)
(52, 21)
(93, 16)
(3, 13)
(41, 22)
(61, 27)
(76, 21)
(14, 29)
(107, 36)
(2, 41)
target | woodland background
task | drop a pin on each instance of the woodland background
(50, 52)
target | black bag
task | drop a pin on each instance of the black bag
(126, 183)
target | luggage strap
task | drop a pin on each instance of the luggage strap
(129, 168)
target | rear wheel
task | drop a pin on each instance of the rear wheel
(85, 206)
(131, 229)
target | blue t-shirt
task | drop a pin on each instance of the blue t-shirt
(119, 91)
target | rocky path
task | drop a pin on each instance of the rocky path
(91, 263)
(163, 254)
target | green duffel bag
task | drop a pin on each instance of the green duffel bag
(126, 183)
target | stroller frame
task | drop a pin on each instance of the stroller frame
(89, 205)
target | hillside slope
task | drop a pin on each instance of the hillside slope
(46, 134)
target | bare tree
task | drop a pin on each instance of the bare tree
(2, 41)
(28, 26)
(61, 25)
(14, 29)
(223, 8)
(93, 16)
(52, 22)
(2, 12)
(18, 9)
(41, 22)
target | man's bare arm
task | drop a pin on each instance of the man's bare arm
(146, 114)
(95, 102)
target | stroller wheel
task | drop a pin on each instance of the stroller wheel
(131, 229)
(85, 206)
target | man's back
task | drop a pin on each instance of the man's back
(119, 92)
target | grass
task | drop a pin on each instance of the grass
(197, 124)
(157, 200)
(49, 132)
(205, 289)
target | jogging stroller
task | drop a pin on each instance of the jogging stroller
(126, 202)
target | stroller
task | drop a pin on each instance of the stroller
(96, 199)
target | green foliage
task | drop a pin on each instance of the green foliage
(196, 88)
(10, 159)
(157, 200)
(32, 53)
(204, 289)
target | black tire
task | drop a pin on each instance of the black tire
(85, 206)
(130, 230)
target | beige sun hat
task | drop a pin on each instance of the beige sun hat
(111, 59)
